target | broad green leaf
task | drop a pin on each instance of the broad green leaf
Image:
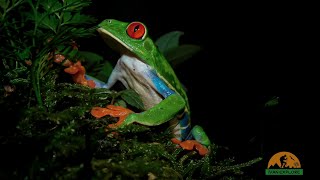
(272, 102)
(91, 58)
(67, 17)
(132, 98)
(67, 51)
(51, 6)
(105, 71)
(121, 103)
(4, 4)
(50, 22)
(94, 66)
(76, 5)
(181, 53)
(25, 54)
(80, 19)
(82, 32)
(168, 41)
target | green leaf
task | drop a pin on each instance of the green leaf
(78, 18)
(25, 54)
(21, 70)
(91, 58)
(4, 4)
(168, 41)
(67, 16)
(132, 98)
(76, 5)
(20, 81)
(272, 102)
(94, 66)
(181, 53)
(105, 71)
(51, 6)
(50, 22)
(121, 103)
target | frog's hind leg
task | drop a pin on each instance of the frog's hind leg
(200, 143)
(200, 136)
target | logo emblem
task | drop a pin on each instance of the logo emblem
(284, 163)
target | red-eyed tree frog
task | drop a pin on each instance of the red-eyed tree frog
(144, 69)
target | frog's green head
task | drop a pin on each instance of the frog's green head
(129, 38)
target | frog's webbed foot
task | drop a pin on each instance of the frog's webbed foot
(77, 72)
(191, 145)
(114, 111)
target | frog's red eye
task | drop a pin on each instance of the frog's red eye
(136, 30)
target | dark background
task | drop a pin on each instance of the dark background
(249, 54)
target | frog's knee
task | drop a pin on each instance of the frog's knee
(200, 135)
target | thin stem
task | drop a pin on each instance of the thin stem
(36, 22)
(10, 8)
(5, 23)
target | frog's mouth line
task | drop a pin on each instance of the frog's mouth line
(116, 44)
(106, 34)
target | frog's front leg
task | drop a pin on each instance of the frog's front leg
(159, 114)
(114, 77)
(164, 111)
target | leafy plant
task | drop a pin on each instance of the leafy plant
(175, 53)
(34, 31)
(272, 102)
(47, 131)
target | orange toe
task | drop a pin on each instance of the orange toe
(99, 112)
(119, 111)
(192, 144)
(201, 149)
(58, 58)
(71, 70)
(118, 108)
(120, 121)
(114, 111)
(91, 84)
(188, 144)
(175, 141)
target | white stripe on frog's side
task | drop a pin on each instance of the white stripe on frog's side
(135, 74)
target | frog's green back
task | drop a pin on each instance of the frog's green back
(166, 73)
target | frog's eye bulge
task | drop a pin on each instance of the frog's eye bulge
(136, 30)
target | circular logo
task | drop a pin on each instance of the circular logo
(284, 160)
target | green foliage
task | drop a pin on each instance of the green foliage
(47, 131)
(175, 53)
(96, 65)
(47, 25)
(181, 53)
(272, 102)
(168, 41)
(132, 98)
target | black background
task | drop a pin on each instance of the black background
(249, 54)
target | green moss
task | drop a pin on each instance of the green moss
(49, 133)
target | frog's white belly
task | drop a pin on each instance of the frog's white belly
(136, 75)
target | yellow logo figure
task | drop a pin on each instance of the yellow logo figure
(284, 163)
